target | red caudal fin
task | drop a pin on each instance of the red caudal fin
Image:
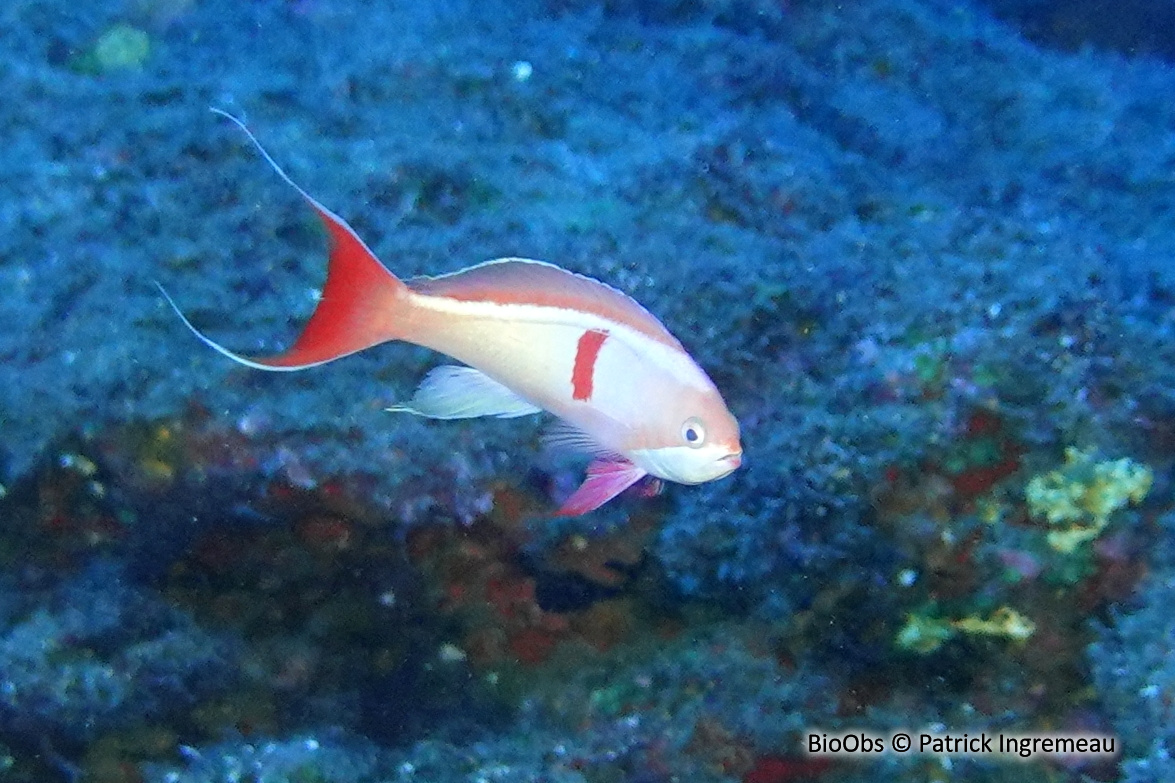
(361, 303)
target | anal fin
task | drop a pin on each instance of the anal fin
(455, 392)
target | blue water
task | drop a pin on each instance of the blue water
(923, 252)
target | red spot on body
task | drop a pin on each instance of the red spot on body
(583, 372)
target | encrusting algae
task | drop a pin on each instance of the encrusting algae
(925, 634)
(1078, 498)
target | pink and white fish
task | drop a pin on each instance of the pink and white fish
(531, 337)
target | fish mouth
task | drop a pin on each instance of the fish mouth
(731, 461)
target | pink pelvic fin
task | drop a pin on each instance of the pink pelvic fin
(605, 480)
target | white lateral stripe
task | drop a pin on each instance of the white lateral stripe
(508, 280)
(678, 363)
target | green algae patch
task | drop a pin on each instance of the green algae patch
(925, 633)
(1078, 498)
(120, 48)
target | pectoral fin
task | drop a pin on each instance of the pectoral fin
(455, 392)
(605, 480)
(561, 437)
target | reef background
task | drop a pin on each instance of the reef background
(926, 253)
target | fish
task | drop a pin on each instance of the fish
(530, 337)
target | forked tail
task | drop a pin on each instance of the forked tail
(362, 303)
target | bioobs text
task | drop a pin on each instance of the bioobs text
(849, 743)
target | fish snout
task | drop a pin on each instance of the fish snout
(732, 460)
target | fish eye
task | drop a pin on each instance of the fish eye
(693, 433)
